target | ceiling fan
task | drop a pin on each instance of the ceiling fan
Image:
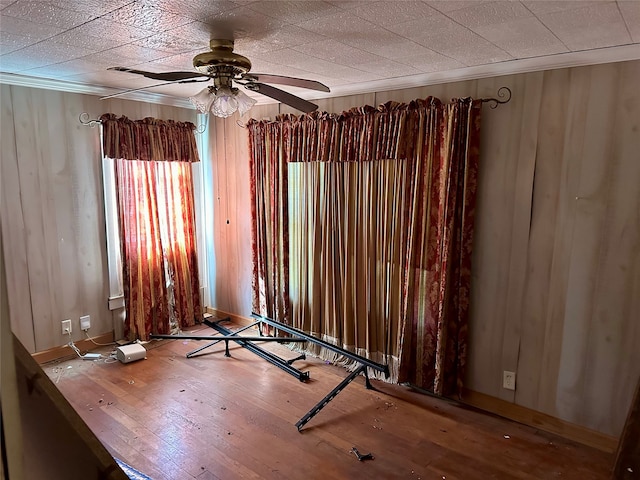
(225, 67)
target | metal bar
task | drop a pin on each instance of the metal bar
(197, 350)
(268, 356)
(229, 337)
(367, 383)
(294, 331)
(330, 396)
(299, 357)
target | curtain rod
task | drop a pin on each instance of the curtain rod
(504, 93)
(85, 120)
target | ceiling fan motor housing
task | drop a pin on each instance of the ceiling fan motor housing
(221, 59)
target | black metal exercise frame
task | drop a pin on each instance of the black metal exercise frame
(364, 364)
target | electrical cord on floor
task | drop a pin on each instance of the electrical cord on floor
(73, 345)
(86, 356)
(112, 358)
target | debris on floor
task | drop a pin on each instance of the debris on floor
(361, 457)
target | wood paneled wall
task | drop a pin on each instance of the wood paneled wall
(53, 210)
(556, 279)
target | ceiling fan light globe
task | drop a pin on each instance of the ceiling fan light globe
(245, 102)
(202, 100)
(224, 105)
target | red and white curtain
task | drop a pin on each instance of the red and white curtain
(155, 197)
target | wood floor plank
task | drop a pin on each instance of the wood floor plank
(213, 417)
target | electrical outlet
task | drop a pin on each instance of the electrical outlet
(509, 380)
(85, 322)
(66, 326)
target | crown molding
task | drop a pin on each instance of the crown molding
(512, 67)
(74, 87)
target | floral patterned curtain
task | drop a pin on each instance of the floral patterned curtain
(148, 139)
(367, 243)
(154, 188)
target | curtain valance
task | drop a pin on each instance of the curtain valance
(390, 131)
(149, 139)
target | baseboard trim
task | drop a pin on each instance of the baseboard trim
(239, 319)
(59, 353)
(540, 420)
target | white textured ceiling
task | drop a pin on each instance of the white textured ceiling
(351, 46)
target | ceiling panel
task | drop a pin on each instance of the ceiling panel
(392, 13)
(46, 14)
(523, 38)
(594, 26)
(147, 17)
(492, 13)
(631, 13)
(335, 52)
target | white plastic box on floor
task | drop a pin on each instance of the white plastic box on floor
(131, 353)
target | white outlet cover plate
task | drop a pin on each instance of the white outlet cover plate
(66, 325)
(509, 380)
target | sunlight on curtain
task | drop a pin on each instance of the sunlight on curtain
(144, 284)
(157, 225)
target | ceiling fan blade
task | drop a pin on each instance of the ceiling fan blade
(282, 96)
(151, 86)
(166, 76)
(282, 80)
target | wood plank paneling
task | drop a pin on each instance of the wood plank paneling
(231, 267)
(621, 260)
(37, 202)
(540, 336)
(507, 159)
(585, 193)
(16, 266)
(610, 200)
(242, 223)
(524, 133)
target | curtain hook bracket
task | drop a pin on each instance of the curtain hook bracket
(84, 119)
(504, 93)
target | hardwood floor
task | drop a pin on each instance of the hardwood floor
(213, 417)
